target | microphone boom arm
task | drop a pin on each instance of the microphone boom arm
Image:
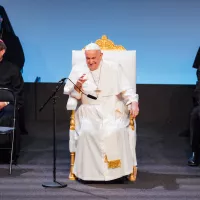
(88, 95)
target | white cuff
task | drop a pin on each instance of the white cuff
(75, 94)
(6, 103)
(129, 96)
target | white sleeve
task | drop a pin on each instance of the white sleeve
(129, 96)
(75, 94)
(127, 91)
(75, 74)
(71, 91)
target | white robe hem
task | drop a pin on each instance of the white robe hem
(106, 178)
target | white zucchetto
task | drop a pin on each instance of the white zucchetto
(92, 46)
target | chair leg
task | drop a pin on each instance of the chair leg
(11, 153)
(10, 170)
(132, 177)
(11, 160)
(72, 177)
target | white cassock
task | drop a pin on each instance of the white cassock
(105, 144)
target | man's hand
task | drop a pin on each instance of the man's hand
(2, 105)
(134, 110)
(80, 82)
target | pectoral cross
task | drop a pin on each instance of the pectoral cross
(97, 91)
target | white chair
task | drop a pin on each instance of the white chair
(127, 59)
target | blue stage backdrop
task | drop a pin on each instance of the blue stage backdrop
(166, 35)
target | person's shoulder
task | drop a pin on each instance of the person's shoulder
(11, 66)
(112, 64)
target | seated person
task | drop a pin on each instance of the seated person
(103, 152)
(10, 77)
(14, 54)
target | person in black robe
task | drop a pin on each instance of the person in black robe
(10, 77)
(195, 117)
(13, 54)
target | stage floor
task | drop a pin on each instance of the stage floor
(162, 169)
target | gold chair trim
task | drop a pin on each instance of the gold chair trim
(112, 164)
(107, 44)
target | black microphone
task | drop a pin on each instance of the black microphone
(92, 97)
(62, 80)
(88, 95)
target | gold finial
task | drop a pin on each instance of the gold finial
(107, 44)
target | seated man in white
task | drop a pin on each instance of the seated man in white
(103, 149)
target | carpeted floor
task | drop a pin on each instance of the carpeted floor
(162, 169)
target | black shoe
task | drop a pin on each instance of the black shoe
(193, 160)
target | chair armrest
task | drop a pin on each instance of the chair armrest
(72, 103)
(72, 133)
(132, 124)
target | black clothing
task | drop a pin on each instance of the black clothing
(196, 63)
(195, 128)
(6, 119)
(195, 116)
(10, 77)
(6, 25)
(194, 159)
(14, 52)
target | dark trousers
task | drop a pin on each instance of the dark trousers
(195, 128)
(6, 119)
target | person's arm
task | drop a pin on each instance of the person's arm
(3, 104)
(75, 89)
(129, 96)
(76, 94)
(128, 93)
(131, 100)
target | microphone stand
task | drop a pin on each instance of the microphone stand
(54, 183)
